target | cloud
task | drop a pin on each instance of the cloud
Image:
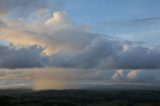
(11, 57)
(120, 75)
(101, 53)
(139, 57)
(68, 45)
(133, 74)
(21, 7)
(139, 22)
(52, 78)
(108, 53)
(59, 19)
(2, 24)
(65, 49)
(57, 33)
(29, 10)
(151, 76)
(144, 29)
(137, 76)
(63, 78)
(47, 50)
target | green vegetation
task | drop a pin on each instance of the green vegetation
(80, 98)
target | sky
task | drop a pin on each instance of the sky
(59, 44)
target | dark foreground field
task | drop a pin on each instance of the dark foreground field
(79, 98)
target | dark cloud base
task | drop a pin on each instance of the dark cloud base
(77, 46)
(101, 53)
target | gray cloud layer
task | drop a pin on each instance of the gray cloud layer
(60, 78)
(56, 53)
(101, 53)
(109, 53)
(68, 45)
(11, 57)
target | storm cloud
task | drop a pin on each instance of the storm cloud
(42, 46)
(101, 53)
(11, 57)
(61, 43)
(108, 53)
(60, 78)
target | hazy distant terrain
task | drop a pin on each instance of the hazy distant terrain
(26, 97)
